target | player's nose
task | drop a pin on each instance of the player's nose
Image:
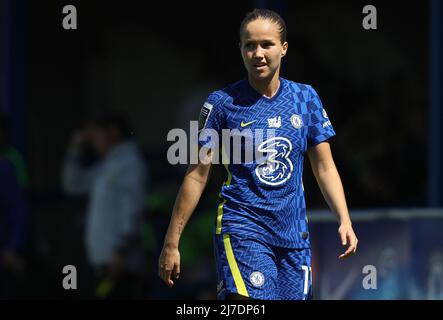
(258, 53)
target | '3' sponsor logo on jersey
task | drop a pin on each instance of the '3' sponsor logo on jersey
(277, 168)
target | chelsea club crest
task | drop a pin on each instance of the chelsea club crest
(296, 121)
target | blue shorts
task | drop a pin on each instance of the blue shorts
(254, 269)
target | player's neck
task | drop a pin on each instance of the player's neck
(266, 87)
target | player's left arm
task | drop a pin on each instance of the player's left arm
(329, 182)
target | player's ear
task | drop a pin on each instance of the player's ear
(284, 49)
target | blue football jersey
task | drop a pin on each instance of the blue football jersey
(263, 196)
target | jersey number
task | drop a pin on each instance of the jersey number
(308, 274)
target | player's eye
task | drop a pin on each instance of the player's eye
(267, 45)
(249, 45)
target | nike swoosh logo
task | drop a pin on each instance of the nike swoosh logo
(244, 124)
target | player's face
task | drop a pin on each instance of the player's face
(261, 48)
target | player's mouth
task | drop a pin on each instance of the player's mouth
(260, 65)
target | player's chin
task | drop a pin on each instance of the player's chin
(260, 74)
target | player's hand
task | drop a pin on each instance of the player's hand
(347, 238)
(169, 265)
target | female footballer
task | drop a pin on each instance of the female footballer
(261, 237)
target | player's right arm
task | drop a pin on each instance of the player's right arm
(187, 199)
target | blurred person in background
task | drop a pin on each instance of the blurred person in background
(12, 154)
(115, 180)
(13, 217)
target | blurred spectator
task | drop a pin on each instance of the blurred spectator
(12, 154)
(13, 218)
(115, 181)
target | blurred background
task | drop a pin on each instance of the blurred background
(133, 70)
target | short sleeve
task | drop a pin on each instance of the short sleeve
(210, 121)
(320, 127)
